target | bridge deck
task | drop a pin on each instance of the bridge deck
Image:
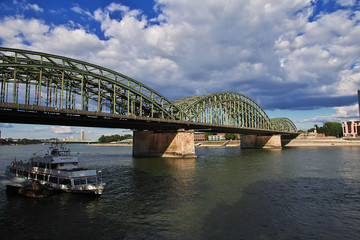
(32, 114)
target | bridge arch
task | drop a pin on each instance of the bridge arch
(283, 124)
(46, 80)
(41, 79)
(226, 108)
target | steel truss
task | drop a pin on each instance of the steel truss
(283, 124)
(226, 108)
(41, 79)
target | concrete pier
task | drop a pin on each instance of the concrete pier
(178, 144)
(254, 141)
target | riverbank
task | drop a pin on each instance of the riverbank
(233, 143)
(112, 144)
(297, 142)
(325, 142)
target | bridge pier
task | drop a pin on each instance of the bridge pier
(254, 141)
(178, 144)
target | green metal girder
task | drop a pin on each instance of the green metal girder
(106, 87)
(283, 124)
(234, 109)
(36, 78)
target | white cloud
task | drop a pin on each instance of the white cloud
(53, 129)
(27, 6)
(79, 10)
(18, 32)
(342, 114)
(62, 130)
(321, 57)
(346, 3)
(264, 49)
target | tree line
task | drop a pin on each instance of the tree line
(23, 141)
(329, 128)
(114, 138)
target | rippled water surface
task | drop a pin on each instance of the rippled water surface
(226, 193)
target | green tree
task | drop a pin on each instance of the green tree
(114, 138)
(231, 136)
(331, 129)
(102, 139)
(207, 134)
(312, 129)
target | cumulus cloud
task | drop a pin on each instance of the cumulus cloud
(53, 129)
(62, 129)
(34, 34)
(267, 50)
(346, 3)
(342, 114)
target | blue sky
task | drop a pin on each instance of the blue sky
(296, 58)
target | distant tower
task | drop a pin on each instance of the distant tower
(82, 138)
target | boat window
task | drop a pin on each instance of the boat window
(64, 181)
(41, 165)
(79, 181)
(12, 170)
(91, 180)
(53, 166)
(40, 177)
(53, 179)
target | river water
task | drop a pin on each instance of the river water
(226, 193)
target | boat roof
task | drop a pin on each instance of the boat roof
(56, 155)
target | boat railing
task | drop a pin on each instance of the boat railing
(61, 173)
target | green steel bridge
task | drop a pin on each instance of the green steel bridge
(41, 88)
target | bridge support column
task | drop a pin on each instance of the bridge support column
(178, 144)
(254, 141)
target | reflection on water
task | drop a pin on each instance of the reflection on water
(164, 165)
(301, 208)
(226, 193)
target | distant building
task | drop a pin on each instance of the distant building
(351, 128)
(71, 138)
(218, 137)
(199, 136)
(82, 137)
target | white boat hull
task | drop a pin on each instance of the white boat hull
(56, 170)
(16, 182)
(13, 181)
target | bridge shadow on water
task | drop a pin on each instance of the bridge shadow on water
(302, 208)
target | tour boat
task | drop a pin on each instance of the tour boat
(58, 169)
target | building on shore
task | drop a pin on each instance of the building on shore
(217, 137)
(351, 128)
(199, 136)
